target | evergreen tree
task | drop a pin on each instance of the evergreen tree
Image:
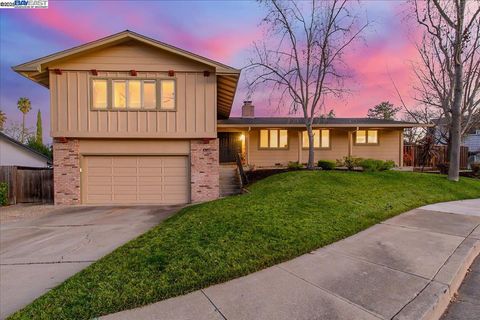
(39, 136)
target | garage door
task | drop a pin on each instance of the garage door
(135, 180)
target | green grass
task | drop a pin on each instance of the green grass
(284, 216)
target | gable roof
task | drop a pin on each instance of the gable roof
(21, 145)
(318, 122)
(227, 77)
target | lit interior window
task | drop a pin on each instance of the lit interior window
(119, 94)
(325, 138)
(99, 95)
(134, 94)
(168, 94)
(263, 138)
(283, 138)
(372, 136)
(149, 95)
(361, 136)
(273, 138)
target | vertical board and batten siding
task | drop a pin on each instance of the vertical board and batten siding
(72, 116)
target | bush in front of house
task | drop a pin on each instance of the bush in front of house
(475, 168)
(374, 165)
(294, 165)
(3, 193)
(349, 162)
(326, 164)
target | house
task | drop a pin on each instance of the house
(472, 141)
(135, 120)
(15, 153)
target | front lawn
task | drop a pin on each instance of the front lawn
(283, 216)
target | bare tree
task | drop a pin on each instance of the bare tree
(449, 72)
(301, 55)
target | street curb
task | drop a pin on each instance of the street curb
(434, 299)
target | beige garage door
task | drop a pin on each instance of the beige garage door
(135, 180)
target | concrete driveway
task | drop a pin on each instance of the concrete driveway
(37, 254)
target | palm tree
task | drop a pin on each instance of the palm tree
(24, 106)
(3, 119)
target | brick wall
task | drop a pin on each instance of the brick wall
(66, 171)
(205, 170)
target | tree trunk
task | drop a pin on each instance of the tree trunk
(311, 155)
(23, 129)
(455, 127)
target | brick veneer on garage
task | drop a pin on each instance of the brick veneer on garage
(205, 170)
(66, 171)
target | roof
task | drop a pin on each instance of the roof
(227, 77)
(18, 143)
(318, 122)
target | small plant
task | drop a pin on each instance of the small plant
(443, 167)
(326, 164)
(475, 168)
(3, 193)
(294, 165)
(349, 162)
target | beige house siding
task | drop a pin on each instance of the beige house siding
(271, 157)
(389, 147)
(72, 116)
(338, 148)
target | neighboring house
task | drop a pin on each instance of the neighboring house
(135, 120)
(472, 141)
(15, 153)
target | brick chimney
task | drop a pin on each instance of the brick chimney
(248, 109)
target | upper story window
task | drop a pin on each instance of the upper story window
(133, 94)
(273, 139)
(99, 94)
(321, 139)
(366, 137)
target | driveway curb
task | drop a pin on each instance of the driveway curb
(433, 301)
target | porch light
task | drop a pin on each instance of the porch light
(242, 137)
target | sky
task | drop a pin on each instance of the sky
(220, 30)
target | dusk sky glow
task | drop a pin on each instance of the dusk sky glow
(220, 30)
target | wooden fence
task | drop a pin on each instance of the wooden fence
(28, 185)
(411, 156)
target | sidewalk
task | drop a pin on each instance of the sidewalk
(407, 267)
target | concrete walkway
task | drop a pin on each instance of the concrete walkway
(405, 268)
(37, 254)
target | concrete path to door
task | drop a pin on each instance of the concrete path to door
(38, 254)
(407, 267)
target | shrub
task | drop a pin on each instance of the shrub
(294, 165)
(475, 168)
(389, 164)
(374, 165)
(3, 193)
(443, 167)
(349, 162)
(326, 164)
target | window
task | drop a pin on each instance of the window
(99, 94)
(366, 137)
(119, 94)
(321, 139)
(168, 94)
(132, 94)
(273, 139)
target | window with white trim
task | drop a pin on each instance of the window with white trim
(321, 139)
(273, 139)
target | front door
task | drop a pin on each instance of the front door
(230, 145)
